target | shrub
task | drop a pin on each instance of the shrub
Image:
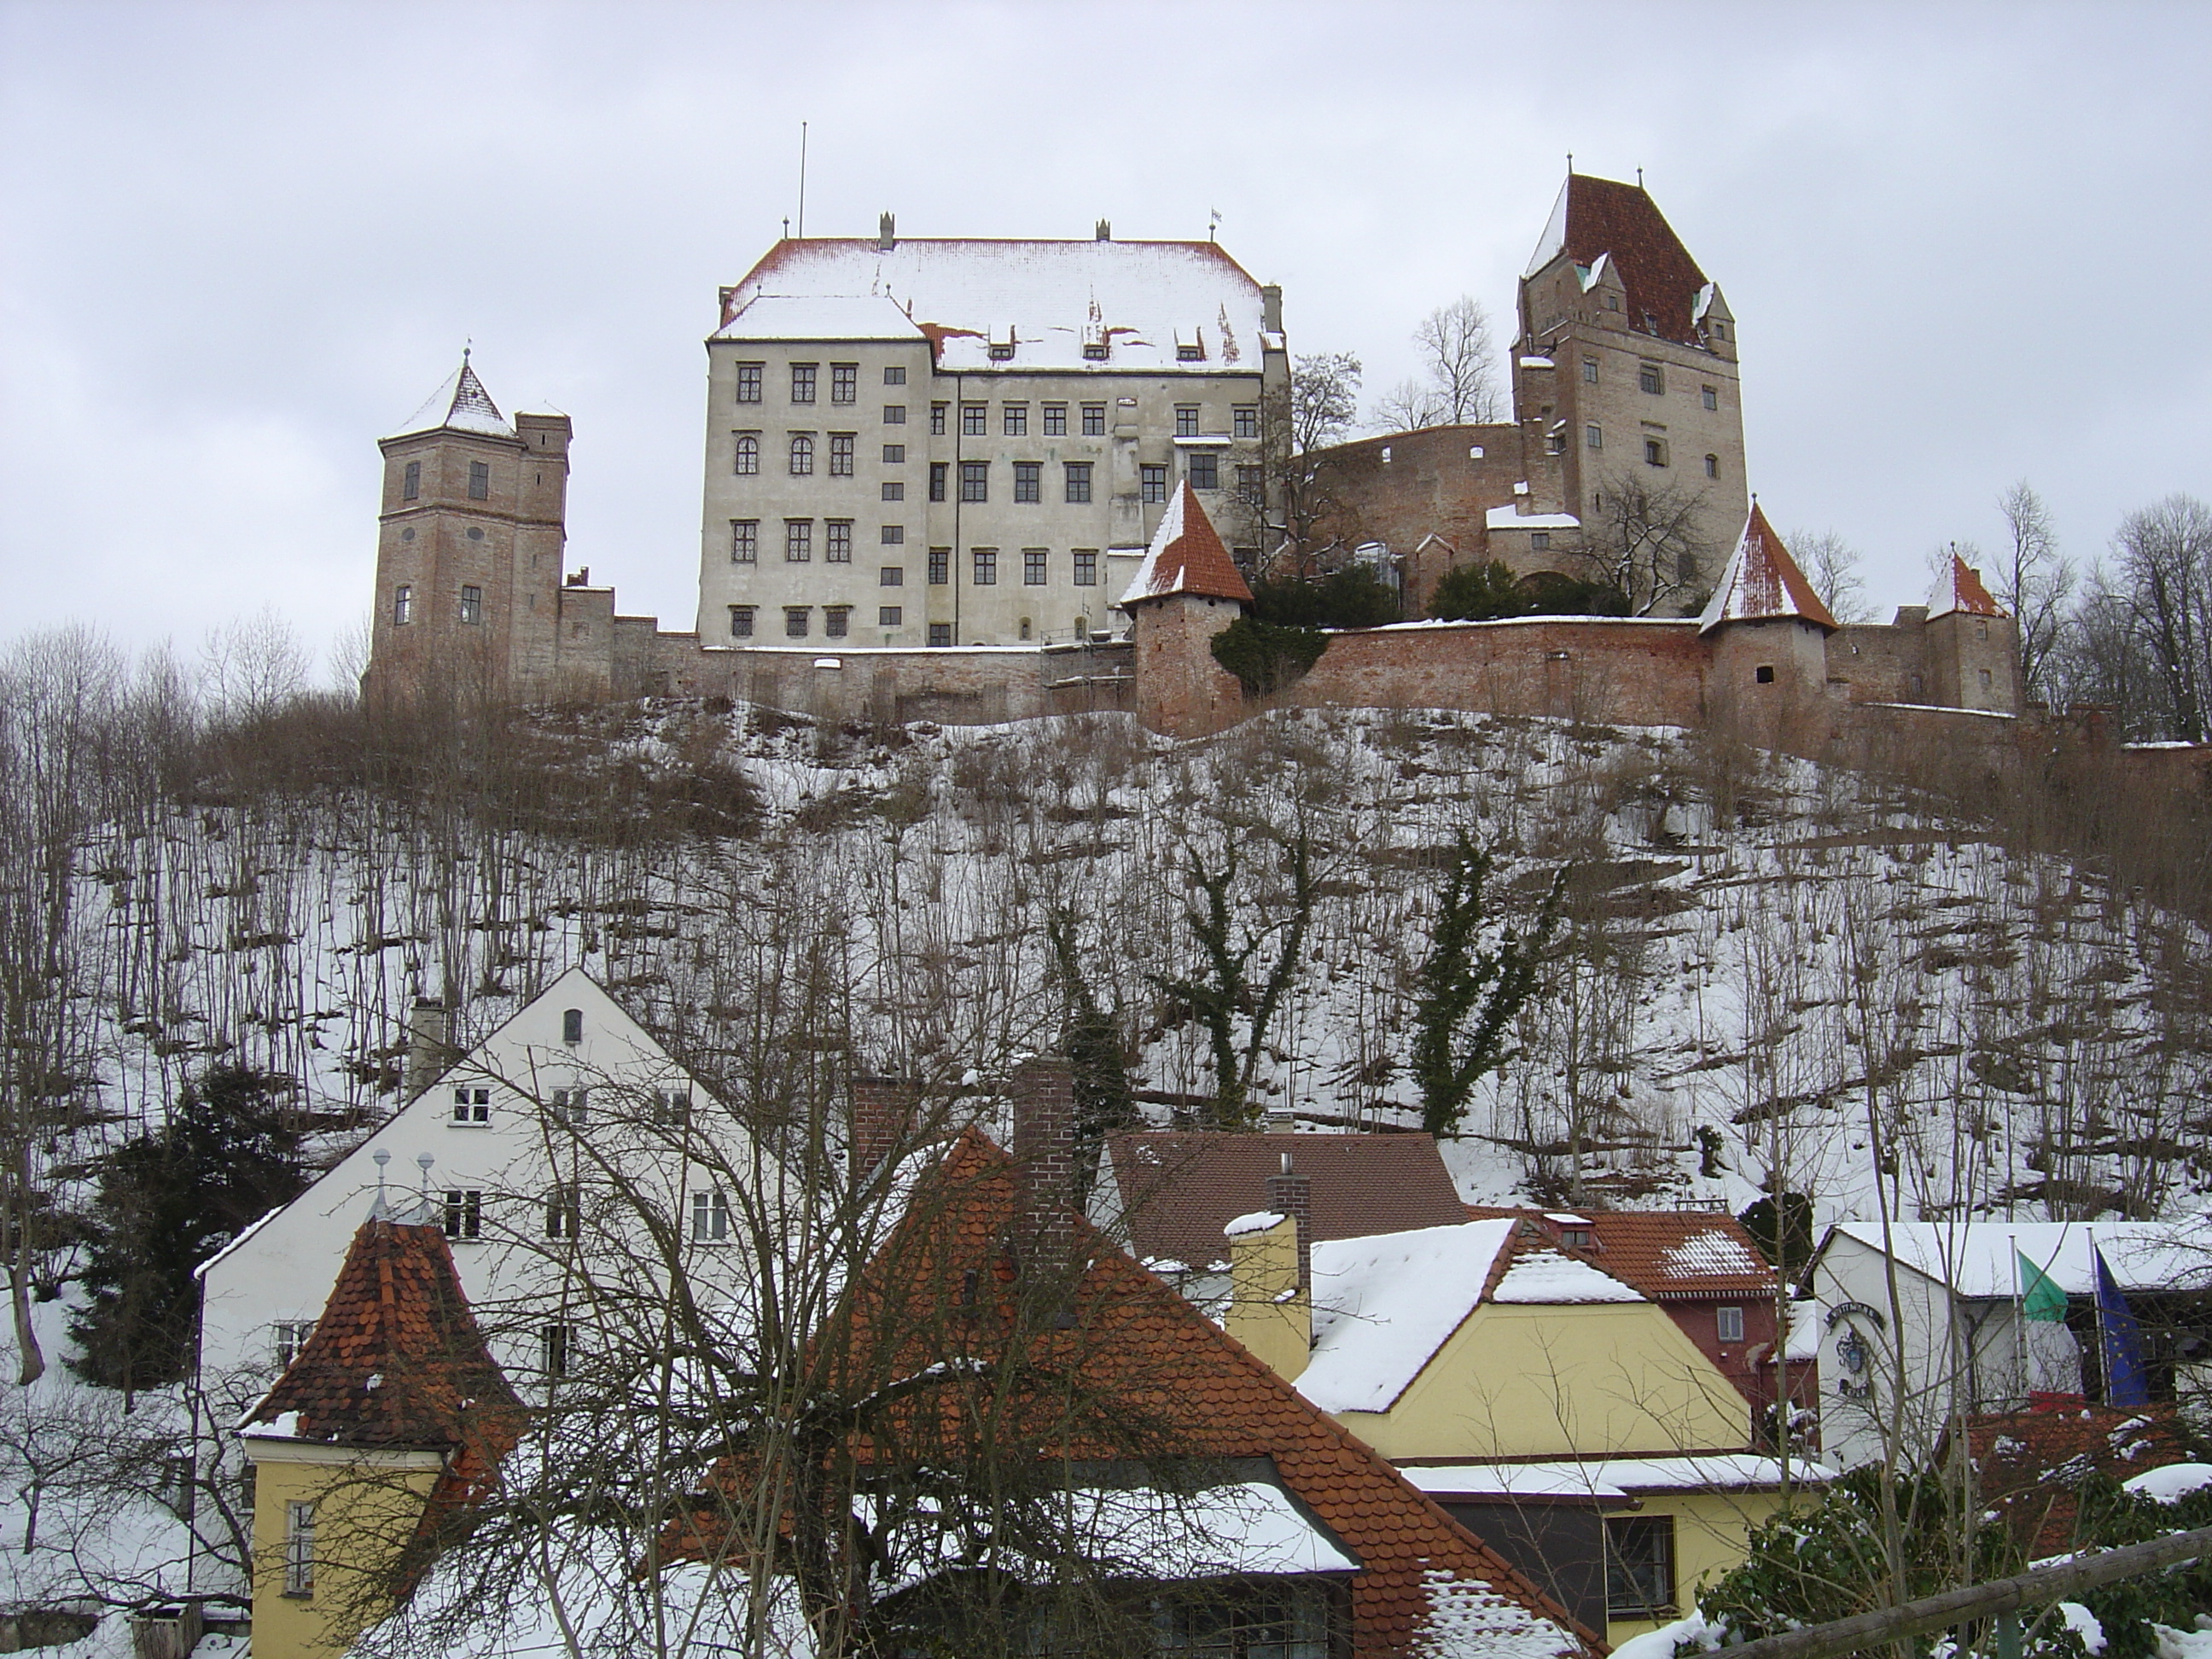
(1266, 658)
(1485, 592)
(1352, 597)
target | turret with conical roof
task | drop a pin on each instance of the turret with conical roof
(1186, 590)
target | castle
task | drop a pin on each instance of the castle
(1056, 435)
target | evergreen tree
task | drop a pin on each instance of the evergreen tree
(166, 1200)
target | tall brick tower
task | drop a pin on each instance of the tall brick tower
(1186, 590)
(1626, 365)
(469, 547)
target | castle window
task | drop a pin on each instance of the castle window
(894, 535)
(1034, 559)
(1712, 466)
(894, 414)
(986, 567)
(937, 420)
(1651, 378)
(410, 483)
(1094, 351)
(890, 615)
(472, 605)
(403, 605)
(940, 633)
(894, 374)
(1981, 630)
(1245, 420)
(837, 545)
(1720, 331)
(891, 575)
(744, 541)
(1589, 370)
(476, 532)
(1540, 541)
(1186, 420)
(463, 1214)
(1613, 302)
(1014, 420)
(1029, 481)
(1094, 420)
(972, 420)
(1204, 468)
(479, 481)
(975, 481)
(408, 534)
(298, 1549)
(802, 455)
(1086, 566)
(844, 383)
(940, 566)
(802, 382)
(1727, 1324)
(1986, 680)
(797, 540)
(741, 622)
(1152, 483)
(1593, 436)
(841, 454)
(746, 462)
(837, 620)
(795, 623)
(937, 473)
(1655, 452)
(1764, 673)
(1025, 628)
(1708, 397)
(1077, 481)
(1055, 420)
(1251, 486)
(894, 454)
(749, 382)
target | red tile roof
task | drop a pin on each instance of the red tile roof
(397, 1360)
(1963, 592)
(1605, 216)
(1762, 582)
(1139, 1361)
(1179, 1190)
(1186, 556)
(2031, 1463)
(1669, 1255)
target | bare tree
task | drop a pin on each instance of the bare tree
(2035, 583)
(1832, 565)
(1317, 408)
(1648, 542)
(1457, 384)
(2165, 558)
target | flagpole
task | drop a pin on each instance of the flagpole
(2019, 1322)
(2104, 1344)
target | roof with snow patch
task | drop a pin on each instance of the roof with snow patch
(459, 405)
(1762, 583)
(1600, 219)
(1081, 306)
(1960, 588)
(1670, 1255)
(1186, 556)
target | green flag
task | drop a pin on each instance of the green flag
(2039, 1297)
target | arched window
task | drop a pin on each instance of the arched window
(572, 1025)
(748, 454)
(1712, 466)
(802, 455)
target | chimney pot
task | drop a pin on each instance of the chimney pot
(429, 1047)
(1105, 232)
(887, 233)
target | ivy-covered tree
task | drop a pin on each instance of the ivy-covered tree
(1091, 1039)
(166, 1200)
(1469, 997)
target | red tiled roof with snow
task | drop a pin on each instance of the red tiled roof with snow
(397, 1360)
(1670, 1255)
(1601, 218)
(1178, 1190)
(1762, 583)
(1962, 590)
(1186, 556)
(459, 405)
(2031, 1463)
(1082, 307)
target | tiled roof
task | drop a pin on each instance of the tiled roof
(1186, 556)
(461, 405)
(1597, 218)
(1762, 582)
(2030, 1463)
(1135, 1355)
(397, 1360)
(1961, 589)
(1670, 1255)
(1180, 1190)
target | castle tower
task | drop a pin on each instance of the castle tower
(1626, 369)
(1186, 590)
(1768, 634)
(469, 547)
(1973, 645)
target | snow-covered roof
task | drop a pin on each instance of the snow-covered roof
(459, 405)
(1127, 301)
(1610, 1477)
(1382, 1306)
(1975, 1258)
(1554, 239)
(1711, 1252)
(1549, 1276)
(1186, 556)
(1762, 583)
(1504, 518)
(823, 317)
(1959, 588)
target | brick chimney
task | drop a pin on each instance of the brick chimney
(884, 1113)
(1043, 1095)
(1291, 1194)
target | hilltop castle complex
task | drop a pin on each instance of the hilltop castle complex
(973, 479)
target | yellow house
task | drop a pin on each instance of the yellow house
(1554, 1410)
(392, 1409)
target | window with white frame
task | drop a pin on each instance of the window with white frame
(462, 1214)
(291, 1336)
(1727, 1322)
(473, 1104)
(555, 1349)
(710, 1217)
(298, 1549)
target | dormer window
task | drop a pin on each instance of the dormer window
(1002, 343)
(1575, 1238)
(1189, 348)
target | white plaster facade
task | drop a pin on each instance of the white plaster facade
(500, 1124)
(969, 442)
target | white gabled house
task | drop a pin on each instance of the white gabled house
(567, 1108)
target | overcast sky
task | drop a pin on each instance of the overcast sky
(238, 243)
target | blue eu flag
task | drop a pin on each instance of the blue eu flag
(2127, 1383)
